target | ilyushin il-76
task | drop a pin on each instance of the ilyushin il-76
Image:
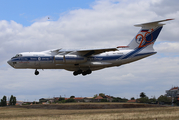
(86, 61)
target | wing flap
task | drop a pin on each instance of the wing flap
(100, 63)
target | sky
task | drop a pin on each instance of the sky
(79, 24)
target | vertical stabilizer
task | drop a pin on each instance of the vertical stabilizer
(147, 35)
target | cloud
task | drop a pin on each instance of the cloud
(168, 48)
(108, 23)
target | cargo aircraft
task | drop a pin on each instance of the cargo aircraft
(85, 61)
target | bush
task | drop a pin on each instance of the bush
(143, 100)
(164, 99)
(69, 100)
(104, 100)
(61, 98)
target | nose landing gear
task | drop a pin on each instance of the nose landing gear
(36, 72)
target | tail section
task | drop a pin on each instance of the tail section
(147, 35)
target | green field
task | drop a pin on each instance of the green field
(159, 113)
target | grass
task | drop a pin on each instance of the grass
(159, 113)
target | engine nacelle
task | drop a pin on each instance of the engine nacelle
(71, 59)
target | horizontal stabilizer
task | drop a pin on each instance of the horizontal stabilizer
(152, 23)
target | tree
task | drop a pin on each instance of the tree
(72, 96)
(102, 94)
(61, 98)
(132, 98)
(12, 100)
(142, 95)
(124, 100)
(143, 100)
(164, 99)
(69, 100)
(118, 99)
(3, 101)
(95, 96)
(153, 100)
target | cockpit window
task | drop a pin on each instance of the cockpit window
(17, 55)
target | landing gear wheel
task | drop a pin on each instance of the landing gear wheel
(84, 73)
(89, 71)
(36, 72)
(75, 73)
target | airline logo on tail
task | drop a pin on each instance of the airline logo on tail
(147, 36)
(141, 37)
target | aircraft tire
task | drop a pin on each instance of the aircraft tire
(84, 73)
(36, 72)
(75, 73)
(89, 71)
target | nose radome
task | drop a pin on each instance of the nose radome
(10, 63)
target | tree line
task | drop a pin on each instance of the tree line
(12, 101)
(163, 99)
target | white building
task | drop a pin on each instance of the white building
(173, 92)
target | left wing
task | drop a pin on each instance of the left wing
(84, 53)
(90, 52)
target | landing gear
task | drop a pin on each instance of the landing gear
(77, 72)
(86, 72)
(82, 72)
(36, 72)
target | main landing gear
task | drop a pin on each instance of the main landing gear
(36, 72)
(75, 73)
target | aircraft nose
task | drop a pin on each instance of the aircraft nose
(10, 63)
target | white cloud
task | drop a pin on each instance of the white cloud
(109, 23)
(168, 48)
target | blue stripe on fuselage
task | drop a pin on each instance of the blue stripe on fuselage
(29, 58)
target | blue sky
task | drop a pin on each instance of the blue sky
(26, 11)
(77, 24)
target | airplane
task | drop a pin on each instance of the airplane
(85, 61)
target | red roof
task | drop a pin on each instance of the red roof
(75, 98)
(99, 97)
(174, 88)
(78, 98)
(108, 96)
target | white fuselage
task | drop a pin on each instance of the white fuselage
(41, 60)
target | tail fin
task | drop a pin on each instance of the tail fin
(147, 35)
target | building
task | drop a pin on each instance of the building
(109, 98)
(79, 99)
(88, 99)
(98, 99)
(131, 101)
(173, 92)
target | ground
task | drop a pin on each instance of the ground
(149, 113)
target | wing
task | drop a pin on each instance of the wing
(90, 52)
